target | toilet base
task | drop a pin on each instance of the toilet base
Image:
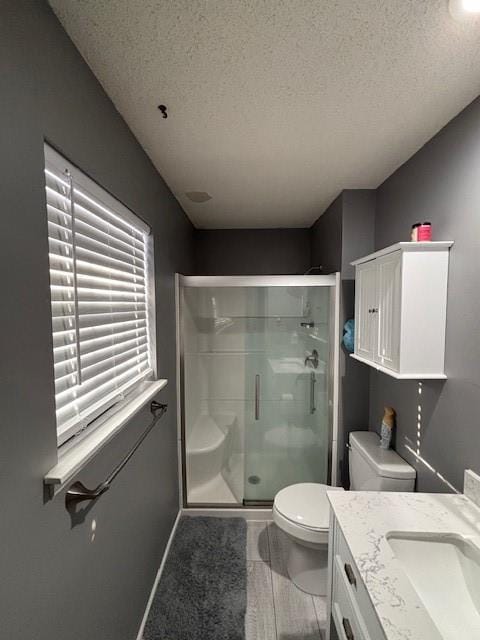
(307, 567)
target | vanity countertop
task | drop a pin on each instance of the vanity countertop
(365, 519)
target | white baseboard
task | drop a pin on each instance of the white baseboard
(158, 576)
(248, 514)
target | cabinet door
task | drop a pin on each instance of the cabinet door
(365, 305)
(388, 310)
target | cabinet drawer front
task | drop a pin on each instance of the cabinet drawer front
(346, 573)
(346, 622)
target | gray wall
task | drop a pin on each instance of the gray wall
(55, 581)
(252, 251)
(358, 234)
(441, 183)
(345, 232)
(326, 238)
(358, 237)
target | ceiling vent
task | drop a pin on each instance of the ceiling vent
(198, 196)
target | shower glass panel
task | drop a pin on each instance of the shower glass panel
(256, 385)
(287, 428)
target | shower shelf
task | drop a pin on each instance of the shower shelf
(294, 366)
(248, 400)
(235, 317)
(318, 338)
(230, 352)
(272, 353)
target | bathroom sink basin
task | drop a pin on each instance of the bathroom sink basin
(444, 570)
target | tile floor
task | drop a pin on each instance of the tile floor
(276, 609)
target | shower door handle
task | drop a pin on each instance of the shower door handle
(257, 397)
(312, 393)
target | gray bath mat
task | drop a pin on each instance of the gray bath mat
(202, 591)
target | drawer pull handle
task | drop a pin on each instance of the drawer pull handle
(347, 627)
(350, 575)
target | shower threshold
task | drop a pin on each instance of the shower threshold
(244, 505)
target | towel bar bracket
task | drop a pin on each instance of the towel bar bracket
(156, 407)
(78, 492)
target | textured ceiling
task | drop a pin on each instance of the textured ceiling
(275, 106)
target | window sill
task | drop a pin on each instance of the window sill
(75, 457)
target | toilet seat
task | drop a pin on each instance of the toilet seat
(302, 510)
(298, 532)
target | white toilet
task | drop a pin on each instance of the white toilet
(302, 510)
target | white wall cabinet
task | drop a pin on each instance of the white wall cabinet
(400, 309)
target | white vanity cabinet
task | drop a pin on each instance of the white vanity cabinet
(400, 309)
(350, 612)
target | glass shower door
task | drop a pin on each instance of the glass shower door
(287, 372)
(256, 379)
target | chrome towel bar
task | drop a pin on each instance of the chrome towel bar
(78, 492)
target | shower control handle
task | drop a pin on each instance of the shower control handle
(257, 397)
(312, 359)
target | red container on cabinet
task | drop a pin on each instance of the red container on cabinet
(424, 232)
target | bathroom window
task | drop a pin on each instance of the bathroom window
(101, 280)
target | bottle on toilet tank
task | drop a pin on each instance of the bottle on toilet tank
(388, 423)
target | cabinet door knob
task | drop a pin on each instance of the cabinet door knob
(347, 627)
(350, 575)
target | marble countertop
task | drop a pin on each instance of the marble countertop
(366, 517)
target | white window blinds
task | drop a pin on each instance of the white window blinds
(101, 299)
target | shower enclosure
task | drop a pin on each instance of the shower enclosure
(258, 385)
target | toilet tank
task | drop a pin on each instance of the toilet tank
(375, 469)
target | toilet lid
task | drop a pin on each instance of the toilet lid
(305, 504)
